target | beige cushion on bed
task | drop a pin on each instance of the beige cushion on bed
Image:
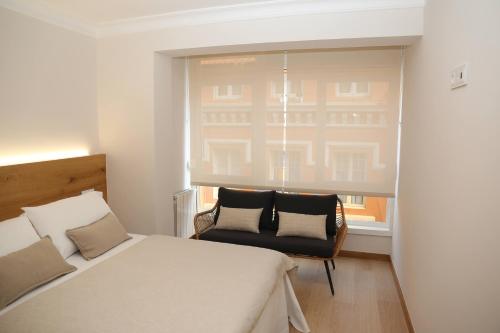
(24, 270)
(101, 236)
(302, 225)
(241, 219)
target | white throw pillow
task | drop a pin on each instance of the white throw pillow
(241, 219)
(302, 225)
(56, 217)
(16, 234)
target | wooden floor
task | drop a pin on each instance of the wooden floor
(366, 298)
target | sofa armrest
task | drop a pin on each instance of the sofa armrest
(204, 221)
(341, 228)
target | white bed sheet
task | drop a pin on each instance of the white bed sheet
(81, 264)
(281, 307)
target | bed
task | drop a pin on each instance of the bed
(149, 283)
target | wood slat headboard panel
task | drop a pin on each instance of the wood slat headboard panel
(39, 183)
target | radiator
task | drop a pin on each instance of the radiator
(185, 207)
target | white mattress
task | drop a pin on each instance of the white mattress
(81, 264)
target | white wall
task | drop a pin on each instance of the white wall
(170, 158)
(47, 88)
(138, 146)
(446, 242)
(368, 243)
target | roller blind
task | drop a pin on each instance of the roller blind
(324, 121)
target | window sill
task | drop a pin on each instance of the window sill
(349, 206)
(369, 231)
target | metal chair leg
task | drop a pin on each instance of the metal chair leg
(333, 264)
(329, 276)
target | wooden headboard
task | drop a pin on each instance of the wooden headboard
(39, 183)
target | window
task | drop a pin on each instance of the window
(359, 167)
(353, 201)
(353, 89)
(276, 169)
(349, 166)
(227, 92)
(359, 210)
(295, 90)
(285, 166)
(336, 131)
(207, 197)
(365, 210)
(294, 160)
(342, 166)
(226, 162)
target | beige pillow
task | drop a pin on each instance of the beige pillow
(241, 219)
(96, 238)
(303, 225)
(24, 270)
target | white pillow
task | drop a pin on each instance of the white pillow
(16, 234)
(56, 217)
(302, 225)
(239, 219)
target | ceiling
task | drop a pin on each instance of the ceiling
(103, 11)
(100, 18)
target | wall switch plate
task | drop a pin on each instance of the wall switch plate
(458, 76)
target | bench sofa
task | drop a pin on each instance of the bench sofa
(272, 203)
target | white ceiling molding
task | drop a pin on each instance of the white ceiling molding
(250, 11)
(241, 12)
(47, 15)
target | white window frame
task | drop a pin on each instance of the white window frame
(294, 145)
(353, 91)
(276, 94)
(348, 203)
(229, 162)
(374, 147)
(379, 228)
(229, 96)
(207, 143)
(286, 170)
(350, 168)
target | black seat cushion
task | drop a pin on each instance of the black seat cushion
(308, 204)
(249, 199)
(267, 239)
